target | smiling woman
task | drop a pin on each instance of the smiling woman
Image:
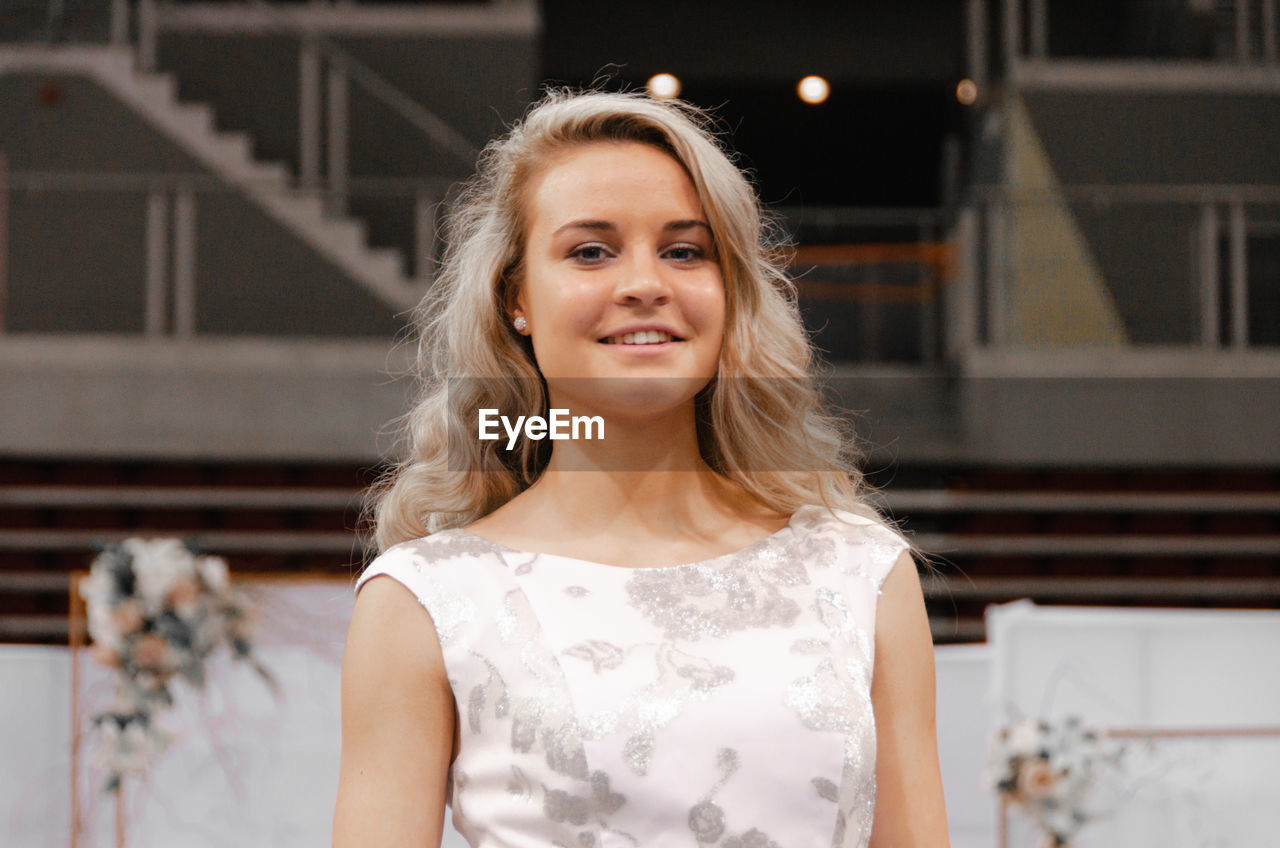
(665, 636)
(631, 290)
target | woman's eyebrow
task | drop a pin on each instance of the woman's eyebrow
(610, 227)
(602, 226)
(686, 225)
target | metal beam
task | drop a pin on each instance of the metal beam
(1209, 278)
(155, 283)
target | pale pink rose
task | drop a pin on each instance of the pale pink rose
(127, 617)
(185, 592)
(104, 655)
(151, 651)
(1036, 779)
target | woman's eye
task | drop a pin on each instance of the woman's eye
(590, 253)
(686, 252)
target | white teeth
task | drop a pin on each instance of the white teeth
(640, 338)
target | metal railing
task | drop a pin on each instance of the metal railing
(1233, 31)
(325, 66)
(876, 272)
(327, 74)
(168, 214)
(1208, 285)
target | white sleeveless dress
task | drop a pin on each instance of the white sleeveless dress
(722, 703)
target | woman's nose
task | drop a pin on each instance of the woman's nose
(642, 280)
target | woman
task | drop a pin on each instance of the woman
(663, 634)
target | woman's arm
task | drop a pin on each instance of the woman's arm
(397, 724)
(910, 812)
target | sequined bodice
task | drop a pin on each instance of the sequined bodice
(721, 703)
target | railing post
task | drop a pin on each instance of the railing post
(976, 44)
(119, 27)
(997, 269)
(1209, 283)
(1038, 18)
(1243, 51)
(309, 114)
(157, 248)
(1239, 271)
(339, 102)
(960, 316)
(1269, 33)
(931, 278)
(424, 237)
(1012, 34)
(184, 262)
(147, 34)
(4, 237)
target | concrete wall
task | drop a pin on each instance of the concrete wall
(77, 257)
(228, 399)
(1146, 250)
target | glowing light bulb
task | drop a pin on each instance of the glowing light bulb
(813, 89)
(663, 86)
(967, 91)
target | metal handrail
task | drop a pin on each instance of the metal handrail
(991, 208)
(202, 182)
(1025, 31)
(925, 500)
(179, 497)
(1198, 589)
(217, 541)
(1190, 193)
(431, 124)
(1096, 544)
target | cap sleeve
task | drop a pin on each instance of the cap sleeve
(883, 548)
(431, 575)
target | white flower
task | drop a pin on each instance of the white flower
(157, 565)
(98, 587)
(213, 570)
(1025, 739)
(102, 628)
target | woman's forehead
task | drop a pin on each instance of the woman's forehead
(606, 181)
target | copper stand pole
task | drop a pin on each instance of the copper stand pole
(1002, 818)
(77, 642)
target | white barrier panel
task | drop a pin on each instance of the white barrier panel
(246, 768)
(963, 690)
(1166, 671)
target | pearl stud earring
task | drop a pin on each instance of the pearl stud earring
(520, 324)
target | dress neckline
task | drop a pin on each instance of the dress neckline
(701, 563)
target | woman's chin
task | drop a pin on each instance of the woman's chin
(632, 397)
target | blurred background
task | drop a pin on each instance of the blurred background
(1038, 242)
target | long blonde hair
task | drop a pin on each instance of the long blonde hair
(761, 421)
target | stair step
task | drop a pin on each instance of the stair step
(272, 176)
(156, 88)
(387, 263)
(214, 541)
(235, 149)
(342, 241)
(194, 118)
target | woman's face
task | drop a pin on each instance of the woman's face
(620, 277)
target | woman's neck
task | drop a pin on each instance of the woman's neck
(646, 471)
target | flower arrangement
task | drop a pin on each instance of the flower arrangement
(157, 610)
(1047, 768)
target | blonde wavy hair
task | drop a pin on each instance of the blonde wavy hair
(761, 420)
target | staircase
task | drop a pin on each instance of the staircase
(1207, 538)
(273, 518)
(228, 155)
(1184, 539)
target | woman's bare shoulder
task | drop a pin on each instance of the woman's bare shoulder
(397, 722)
